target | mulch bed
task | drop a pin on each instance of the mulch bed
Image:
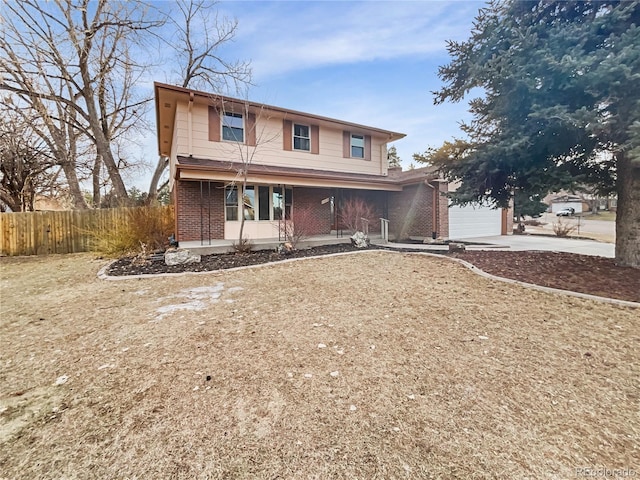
(130, 266)
(567, 271)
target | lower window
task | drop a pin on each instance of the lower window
(259, 202)
(231, 203)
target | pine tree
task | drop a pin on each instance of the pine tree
(560, 90)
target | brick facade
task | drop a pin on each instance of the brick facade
(199, 210)
(410, 212)
(375, 199)
(443, 214)
(309, 210)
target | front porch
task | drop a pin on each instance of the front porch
(208, 247)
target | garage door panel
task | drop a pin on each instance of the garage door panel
(474, 221)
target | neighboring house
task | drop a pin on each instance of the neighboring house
(562, 201)
(295, 162)
(583, 202)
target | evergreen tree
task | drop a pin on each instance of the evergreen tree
(392, 157)
(560, 88)
(525, 205)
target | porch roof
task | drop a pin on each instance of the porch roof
(190, 168)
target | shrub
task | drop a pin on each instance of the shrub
(355, 215)
(243, 245)
(562, 229)
(299, 226)
(133, 230)
(533, 223)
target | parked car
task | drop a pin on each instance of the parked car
(565, 212)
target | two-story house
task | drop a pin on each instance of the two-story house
(291, 160)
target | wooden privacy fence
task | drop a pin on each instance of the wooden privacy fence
(42, 233)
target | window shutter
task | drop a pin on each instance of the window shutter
(214, 124)
(250, 126)
(346, 144)
(367, 147)
(287, 135)
(315, 139)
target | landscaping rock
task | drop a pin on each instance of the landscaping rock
(180, 257)
(360, 240)
(285, 248)
(456, 247)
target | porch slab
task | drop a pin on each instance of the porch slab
(209, 247)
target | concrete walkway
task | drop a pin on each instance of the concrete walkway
(529, 242)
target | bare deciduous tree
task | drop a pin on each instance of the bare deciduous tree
(244, 147)
(200, 34)
(70, 62)
(26, 165)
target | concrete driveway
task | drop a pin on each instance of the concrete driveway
(537, 242)
(527, 242)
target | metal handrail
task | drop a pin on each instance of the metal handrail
(384, 229)
(365, 226)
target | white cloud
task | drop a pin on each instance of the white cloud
(288, 36)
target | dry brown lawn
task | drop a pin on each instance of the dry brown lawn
(374, 365)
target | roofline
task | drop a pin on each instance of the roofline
(267, 170)
(392, 136)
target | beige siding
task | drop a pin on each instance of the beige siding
(270, 146)
(182, 130)
(172, 163)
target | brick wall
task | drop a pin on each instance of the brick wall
(309, 209)
(510, 212)
(443, 213)
(199, 214)
(377, 200)
(410, 212)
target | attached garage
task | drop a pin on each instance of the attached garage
(474, 221)
(557, 206)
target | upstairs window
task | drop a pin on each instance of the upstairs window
(301, 137)
(232, 127)
(357, 146)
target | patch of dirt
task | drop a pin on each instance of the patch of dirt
(567, 271)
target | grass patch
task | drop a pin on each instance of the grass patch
(372, 365)
(604, 216)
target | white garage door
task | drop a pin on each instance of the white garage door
(474, 221)
(577, 206)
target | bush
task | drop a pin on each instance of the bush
(355, 215)
(562, 229)
(243, 245)
(136, 229)
(299, 226)
(533, 223)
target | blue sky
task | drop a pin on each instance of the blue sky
(369, 62)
